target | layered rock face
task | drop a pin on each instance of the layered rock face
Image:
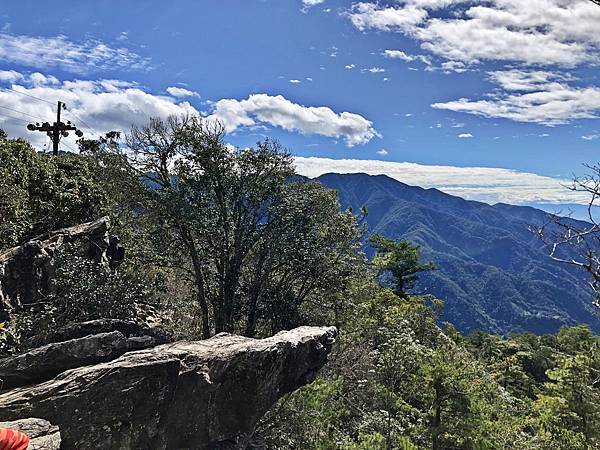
(182, 395)
(27, 271)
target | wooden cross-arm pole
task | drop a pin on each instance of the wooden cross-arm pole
(56, 130)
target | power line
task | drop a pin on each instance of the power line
(21, 112)
(13, 118)
(51, 103)
(83, 121)
(32, 96)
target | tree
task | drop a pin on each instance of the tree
(576, 242)
(39, 193)
(399, 259)
(255, 244)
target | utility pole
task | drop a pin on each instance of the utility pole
(57, 130)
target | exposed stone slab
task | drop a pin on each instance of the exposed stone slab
(187, 394)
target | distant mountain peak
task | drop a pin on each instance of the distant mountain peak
(493, 272)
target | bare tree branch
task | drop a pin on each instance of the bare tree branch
(576, 242)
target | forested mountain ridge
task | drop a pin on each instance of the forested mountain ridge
(493, 272)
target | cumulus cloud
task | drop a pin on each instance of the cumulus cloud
(465, 136)
(104, 105)
(10, 76)
(366, 15)
(527, 80)
(281, 112)
(399, 54)
(540, 32)
(382, 152)
(39, 79)
(310, 3)
(539, 97)
(490, 185)
(60, 52)
(529, 38)
(181, 92)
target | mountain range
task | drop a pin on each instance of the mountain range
(493, 272)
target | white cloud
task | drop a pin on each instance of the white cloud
(465, 136)
(350, 66)
(539, 97)
(10, 76)
(374, 70)
(454, 66)
(281, 112)
(541, 32)
(58, 51)
(307, 4)
(39, 79)
(399, 54)
(181, 92)
(368, 15)
(590, 137)
(104, 105)
(490, 185)
(294, 81)
(529, 38)
(382, 152)
(527, 80)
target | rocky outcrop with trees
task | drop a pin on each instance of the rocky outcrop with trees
(27, 271)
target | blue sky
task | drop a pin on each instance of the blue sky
(461, 85)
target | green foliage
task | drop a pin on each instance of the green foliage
(262, 252)
(399, 259)
(84, 290)
(397, 376)
(39, 193)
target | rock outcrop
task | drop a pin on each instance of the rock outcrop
(27, 271)
(92, 342)
(42, 434)
(182, 395)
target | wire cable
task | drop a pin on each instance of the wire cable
(32, 96)
(19, 119)
(82, 121)
(22, 112)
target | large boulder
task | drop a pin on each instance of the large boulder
(183, 395)
(77, 345)
(42, 434)
(27, 271)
